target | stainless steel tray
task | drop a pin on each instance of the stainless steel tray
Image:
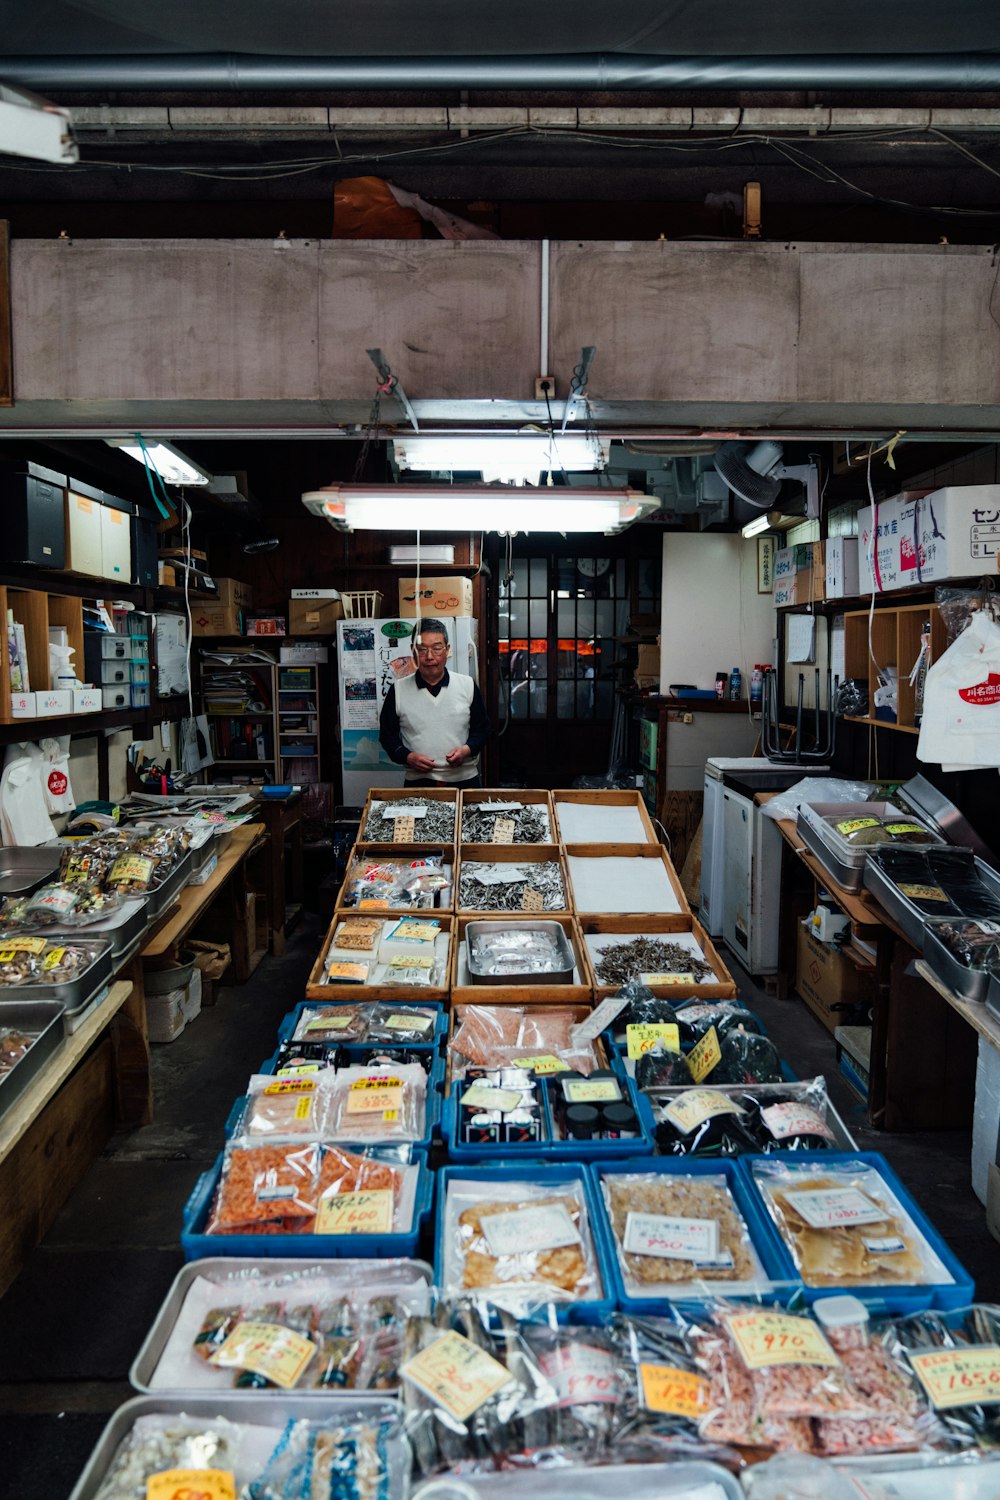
(43, 1017)
(993, 995)
(145, 1364)
(73, 995)
(910, 918)
(122, 930)
(166, 894)
(968, 983)
(843, 1140)
(252, 1409)
(846, 866)
(26, 869)
(546, 976)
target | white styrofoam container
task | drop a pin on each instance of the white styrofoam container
(54, 701)
(985, 1117)
(86, 700)
(951, 533)
(842, 577)
(24, 705)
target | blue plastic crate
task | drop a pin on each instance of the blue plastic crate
(196, 1244)
(432, 1119)
(904, 1298)
(763, 1234)
(287, 1028)
(550, 1149)
(550, 1175)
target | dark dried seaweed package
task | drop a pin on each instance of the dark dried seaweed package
(912, 875)
(956, 872)
(746, 1058)
(662, 1070)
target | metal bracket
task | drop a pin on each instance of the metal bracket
(389, 385)
(578, 385)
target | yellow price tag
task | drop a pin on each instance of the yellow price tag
(667, 979)
(776, 1338)
(680, 1393)
(191, 1484)
(356, 1213)
(704, 1055)
(642, 1038)
(267, 1349)
(25, 945)
(923, 892)
(592, 1091)
(332, 1023)
(455, 1374)
(960, 1377)
(543, 1064)
(53, 959)
(691, 1108)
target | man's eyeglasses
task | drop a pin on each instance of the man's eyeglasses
(431, 650)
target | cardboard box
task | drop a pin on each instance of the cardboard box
(440, 598)
(270, 625)
(800, 574)
(647, 672)
(929, 538)
(83, 532)
(842, 577)
(314, 616)
(828, 982)
(116, 544)
(166, 576)
(54, 702)
(225, 614)
(86, 700)
(24, 705)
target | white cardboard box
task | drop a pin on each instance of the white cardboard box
(86, 700)
(24, 705)
(951, 533)
(842, 578)
(304, 654)
(54, 701)
(83, 535)
(116, 544)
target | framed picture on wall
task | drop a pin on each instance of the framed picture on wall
(765, 564)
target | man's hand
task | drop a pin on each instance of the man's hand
(419, 762)
(455, 757)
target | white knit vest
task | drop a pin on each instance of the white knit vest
(433, 726)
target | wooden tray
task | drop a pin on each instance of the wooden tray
(374, 853)
(527, 798)
(666, 926)
(514, 854)
(681, 917)
(522, 994)
(632, 799)
(316, 989)
(404, 794)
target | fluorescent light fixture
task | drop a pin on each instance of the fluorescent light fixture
(429, 507)
(510, 457)
(32, 127)
(172, 466)
(757, 525)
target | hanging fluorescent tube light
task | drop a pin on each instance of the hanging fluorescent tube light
(428, 507)
(172, 466)
(510, 458)
(757, 525)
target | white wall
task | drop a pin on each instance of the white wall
(712, 617)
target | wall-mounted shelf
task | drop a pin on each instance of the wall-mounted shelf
(895, 642)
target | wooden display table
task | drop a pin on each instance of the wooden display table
(230, 877)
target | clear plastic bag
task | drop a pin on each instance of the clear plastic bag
(701, 1122)
(38, 960)
(376, 1105)
(61, 906)
(285, 1108)
(266, 1189)
(364, 1192)
(965, 1397)
(397, 1024)
(813, 789)
(331, 1023)
(354, 1457)
(496, 1036)
(159, 1443)
(665, 1395)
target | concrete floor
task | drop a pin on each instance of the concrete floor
(74, 1320)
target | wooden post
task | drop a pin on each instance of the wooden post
(6, 345)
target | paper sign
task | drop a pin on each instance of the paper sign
(650, 979)
(599, 1020)
(133, 868)
(403, 830)
(410, 961)
(897, 828)
(411, 931)
(580, 1374)
(498, 807)
(455, 1374)
(369, 1098)
(855, 825)
(829, 1208)
(546, 1226)
(349, 973)
(332, 1023)
(413, 1021)
(366, 1212)
(783, 1120)
(532, 900)
(481, 1096)
(694, 1107)
(670, 1238)
(297, 1070)
(395, 813)
(678, 1393)
(923, 892)
(267, 1349)
(303, 1086)
(541, 1065)
(645, 1037)
(503, 831)
(960, 1377)
(183, 1484)
(53, 959)
(591, 1091)
(883, 1244)
(704, 1055)
(24, 945)
(774, 1338)
(699, 1012)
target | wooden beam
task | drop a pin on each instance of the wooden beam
(6, 345)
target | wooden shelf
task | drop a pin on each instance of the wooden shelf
(78, 726)
(892, 635)
(195, 899)
(882, 724)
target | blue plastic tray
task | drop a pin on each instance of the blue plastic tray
(553, 1176)
(904, 1298)
(766, 1241)
(551, 1150)
(287, 1028)
(432, 1119)
(196, 1244)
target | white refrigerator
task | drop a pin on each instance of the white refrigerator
(371, 656)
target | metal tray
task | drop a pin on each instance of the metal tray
(253, 1409)
(145, 1364)
(122, 930)
(993, 995)
(73, 995)
(968, 983)
(843, 1140)
(909, 917)
(166, 894)
(844, 864)
(675, 1480)
(547, 976)
(43, 1017)
(23, 869)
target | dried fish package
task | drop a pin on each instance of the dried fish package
(377, 1105)
(584, 1368)
(160, 1444)
(665, 1396)
(956, 1358)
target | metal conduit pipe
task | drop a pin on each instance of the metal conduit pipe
(964, 72)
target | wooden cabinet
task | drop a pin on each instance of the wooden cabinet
(894, 641)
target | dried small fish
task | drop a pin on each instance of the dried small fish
(620, 962)
(435, 823)
(531, 824)
(502, 886)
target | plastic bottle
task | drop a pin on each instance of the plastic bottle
(735, 685)
(757, 684)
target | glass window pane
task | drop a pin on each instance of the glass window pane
(606, 618)
(566, 662)
(519, 584)
(566, 617)
(539, 616)
(519, 700)
(519, 617)
(565, 697)
(585, 616)
(605, 658)
(621, 587)
(585, 700)
(539, 577)
(604, 700)
(539, 697)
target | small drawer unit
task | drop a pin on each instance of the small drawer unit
(139, 671)
(119, 696)
(139, 692)
(116, 647)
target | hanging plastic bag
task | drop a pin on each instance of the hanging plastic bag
(23, 815)
(961, 722)
(56, 787)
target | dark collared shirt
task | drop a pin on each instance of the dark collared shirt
(388, 726)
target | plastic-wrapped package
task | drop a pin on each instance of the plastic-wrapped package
(358, 934)
(394, 1024)
(331, 1023)
(285, 1108)
(433, 820)
(266, 1189)
(421, 971)
(664, 1396)
(955, 1357)
(516, 951)
(496, 1036)
(60, 906)
(364, 1192)
(844, 1226)
(583, 1367)
(955, 870)
(417, 883)
(662, 1069)
(746, 1058)
(376, 1105)
(974, 943)
(786, 1121)
(701, 1122)
(814, 789)
(518, 1242)
(694, 1020)
(357, 1457)
(38, 960)
(14, 1044)
(642, 1008)
(505, 887)
(672, 1230)
(158, 1444)
(937, 889)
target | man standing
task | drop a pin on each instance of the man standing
(434, 723)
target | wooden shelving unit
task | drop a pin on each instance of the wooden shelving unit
(288, 723)
(895, 642)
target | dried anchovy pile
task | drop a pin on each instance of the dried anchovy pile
(625, 961)
(476, 894)
(531, 824)
(436, 827)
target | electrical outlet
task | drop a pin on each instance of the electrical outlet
(545, 385)
(688, 719)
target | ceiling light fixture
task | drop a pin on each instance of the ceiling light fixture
(757, 525)
(428, 507)
(510, 458)
(168, 462)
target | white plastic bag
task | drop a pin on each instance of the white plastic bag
(23, 818)
(56, 787)
(961, 723)
(815, 789)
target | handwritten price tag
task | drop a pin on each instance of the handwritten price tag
(332, 1022)
(693, 1108)
(783, 1120)
(704, 1055)
(679, 1393)
(267, 1349)
(297, 1070)
(503, 831)
(356, 1213)
(541, 1065)
(668, 979)
(368, 1098)
(773, 1338)
(581, 1374)
(206, 1484)
(828, 1208)
(644, 1037)
(670, 1238)
(923, 892)
(455, 1374)
(532, 900)
(591, 1091)
(403, 831)
(960, 1377)
(481, 1096)
(527, 1230)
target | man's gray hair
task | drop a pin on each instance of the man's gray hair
(430, 627)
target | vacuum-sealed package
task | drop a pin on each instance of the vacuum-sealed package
(504, 887)
(914, 876)
(433, 820)
(845, 1227)
(266, 1189)
(673, 1231)
(664, 1397)
(789, 1120)
(358, 934)
(515, 1243)
(377, 1105)
(513, 951)
(588, 1381)
(361, 1456)
(38, 960)
(701, 1122)
(332, 1023)
(60, 905)
(394, 1024)
(419, 883)
(955, 1357)
(277, 1108)
(537, 1037)
(365, 1192)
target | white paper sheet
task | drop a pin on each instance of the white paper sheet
(620, 883)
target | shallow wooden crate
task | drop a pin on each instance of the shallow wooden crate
(619, 798)
(614, 923)
(680, 918)
(527, 797)
(537, 993)
(580, 1013)
(316, 989)
(376, 853)
(405, 794)
(514, 854)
